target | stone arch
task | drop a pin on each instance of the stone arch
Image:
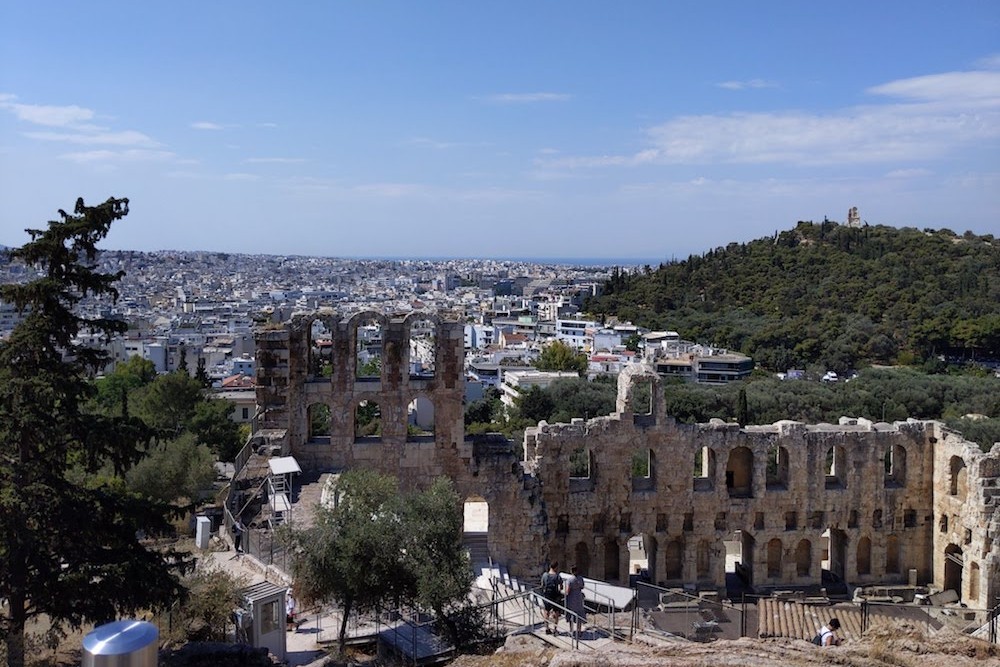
(958, 480)
(643, 469)
(953, 569)
(803, 558)
(864, 556)
(319, 345)
(739, 473)
(420, 418)
(673, 561)
(894, 463)
(422, 330)
(367, 336)
(777, 468)
(367, 420)
(774, 556)
(704, 469)
(835, 467)
(892, 556)
(318, 422)
(703, 560)
(581, 556)
(633, 383)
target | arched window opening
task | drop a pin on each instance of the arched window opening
(319, 422)
(579, 463)
(368, 350)
(895, 466)
(704, 469)
(803, 559)
(777, 468)
(864, 559)
(423, 348)
(892, 555)
(674, 561)
(643, 468)
(774, 549)
(958, 482)
(368, 420)
(420, 419)
(739, 473)
(836, 468)
(581, 470)
(320, 350)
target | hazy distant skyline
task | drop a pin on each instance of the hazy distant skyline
(515, 129)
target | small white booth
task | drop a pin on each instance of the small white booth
(263, 619)
(280, 486)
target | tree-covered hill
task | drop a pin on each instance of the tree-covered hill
(826, 294)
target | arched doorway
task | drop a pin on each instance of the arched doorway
(642, 556)
(475, 531)
(612, 561)
(953, 565)
(864, 561)
(674, 561)
(774, 549)
(581, 554)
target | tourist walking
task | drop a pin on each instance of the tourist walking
(238, 530)
(827, 635)
(574, 602)
(552, 592)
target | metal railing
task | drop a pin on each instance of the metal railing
(693, 616)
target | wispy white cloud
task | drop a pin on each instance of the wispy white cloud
(274, 160)
(71, 116)
(909, 173)
(750, 83)
(991, 61)
(268, 125)
(956, 89)
(105, 156)
(123, 138)
(926, 117)
(240, 176)
(207, 125)
(526, 98)
(444, 145)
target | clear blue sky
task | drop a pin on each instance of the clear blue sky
(503, 129)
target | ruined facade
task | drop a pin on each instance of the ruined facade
(866, 502)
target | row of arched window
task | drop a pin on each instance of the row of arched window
(740, 469)
(368, 348)
(368, 420)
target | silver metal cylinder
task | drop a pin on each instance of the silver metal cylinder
(121, 644)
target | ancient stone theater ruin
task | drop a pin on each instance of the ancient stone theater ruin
(861, 502)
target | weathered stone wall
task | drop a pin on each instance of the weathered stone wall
(864, 500)
(966, 493)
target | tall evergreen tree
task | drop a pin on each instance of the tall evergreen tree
(68, 549)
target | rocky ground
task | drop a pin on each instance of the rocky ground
(907, 647)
